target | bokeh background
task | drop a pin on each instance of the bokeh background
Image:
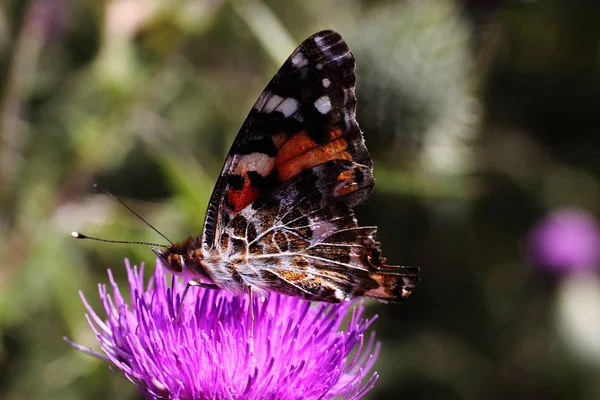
(482, 118)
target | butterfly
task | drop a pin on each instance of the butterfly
(280, 217)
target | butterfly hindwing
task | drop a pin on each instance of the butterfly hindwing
(304, 118)
(305, 242)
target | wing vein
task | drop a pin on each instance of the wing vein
(291, 283)
(302, 254)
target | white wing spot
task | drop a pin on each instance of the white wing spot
(326, 82)
(298, 60)
(273, 102)
(319, 66)
(287, 107)
(258, 162)
(323, 104)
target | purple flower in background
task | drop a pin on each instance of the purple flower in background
(567, 240)
(48, 18)
(300, 350)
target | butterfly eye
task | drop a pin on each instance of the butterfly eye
(174, 263)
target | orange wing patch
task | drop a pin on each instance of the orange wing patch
(347, 183)
(301, 152)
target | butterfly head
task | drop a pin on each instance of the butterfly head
(185, 259)
(179, 258)
(171, 259)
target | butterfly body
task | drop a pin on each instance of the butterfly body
(280, 217)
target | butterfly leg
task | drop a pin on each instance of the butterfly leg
(251, 317)
(185, 291)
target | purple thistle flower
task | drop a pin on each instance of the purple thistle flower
(568, 240)
(300, 350)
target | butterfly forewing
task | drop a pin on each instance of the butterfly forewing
(304, 117)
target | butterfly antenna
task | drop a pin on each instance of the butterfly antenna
(109, 194)
(78, 235)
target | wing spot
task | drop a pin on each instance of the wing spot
(298, 60)
(238, 199)
(258, 162)
(319, 40)
(323, 104)
(273, 102)
(319, 66)
(326, 82)
(287, 107)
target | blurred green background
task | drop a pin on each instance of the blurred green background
(482, 118)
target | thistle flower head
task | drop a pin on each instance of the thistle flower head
(566, 241)
(300, 350)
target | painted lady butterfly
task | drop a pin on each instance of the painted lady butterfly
(280, 217)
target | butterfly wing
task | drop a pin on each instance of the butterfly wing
(281, 217)
(304, 118)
